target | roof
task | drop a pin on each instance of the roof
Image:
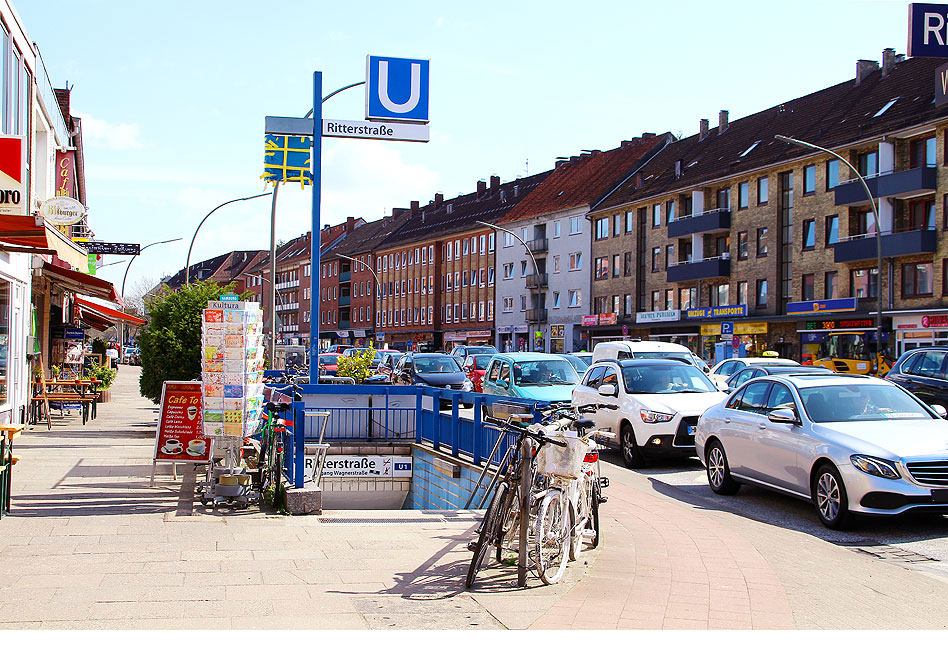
(833, 117)
(229, 265)
(584, 179)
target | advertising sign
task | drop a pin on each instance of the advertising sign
(13, 190)
(363, 466)
(396, 89)
(180, 436)
(607, 318)
(590, 320)
(62, 210)
(103, 248)
(656, 316)
(557, 331)
(74, 333)
(840, 324)
(934, 321)
(66, 173)
(821, 306)
(717, 311)
(928, 30)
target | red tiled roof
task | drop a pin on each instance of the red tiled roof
(583, 180)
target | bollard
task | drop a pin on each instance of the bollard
(526, 457)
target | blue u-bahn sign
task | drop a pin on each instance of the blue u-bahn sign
(396, 89)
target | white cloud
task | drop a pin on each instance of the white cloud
(118, 137)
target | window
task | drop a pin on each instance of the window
(743, 190)
(656, 216)
(917, 279)
(556, 263)
(474, 245)
(556, 229)
(863, 282)
(922, 153)
(832, 174)
(742, 245)
(467, 249)
(928, 364)
(808, 292)
(687, 298)
(556, 299)
(448, 286)
(523, 269)
(761, 242)
(830, 285)
(457, 251)
(490, 243)
(490, 275)
(719, 295)
(575, 261)
(669, 299)
(865, 223)
(482, 247)
(868, 163)
(629, 222)
(616, 265)
(656, 300)
(575, 298)
(523, 302)
(724, 198)
(809, 180)
(762, 190)
(627, 267)
(832, 229)
(602, 267)
(670, 211)
(617, 225)
(761, 293)
(922, 215)
(656, 259)
(602, 228)
(576, 225)
(464, 311)
(809, 234)
(464, 281)
(944, 277)
(508, 305)
(508, 241)
(686, 205)
(742, 292)
(628, 305)
(669, 255)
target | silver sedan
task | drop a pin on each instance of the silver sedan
(850, 444)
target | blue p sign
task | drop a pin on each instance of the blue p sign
(396, 89)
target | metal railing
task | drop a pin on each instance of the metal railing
(885, 233)
(48, 97)
(682, 217)
(724, 256)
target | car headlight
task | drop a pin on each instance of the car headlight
(655, 417)
(876, 466)
(467, 386)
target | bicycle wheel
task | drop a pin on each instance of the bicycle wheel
(552, 537)
(578, 517)
(595, 516)
(508, 529)
(488, 533)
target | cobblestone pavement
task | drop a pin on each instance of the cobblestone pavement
(91, 545)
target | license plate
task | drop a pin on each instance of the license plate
(691, 430)
(940, 495)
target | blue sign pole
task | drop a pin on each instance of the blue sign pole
(316, 228)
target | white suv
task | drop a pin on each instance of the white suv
(624, 349)
(659, 402)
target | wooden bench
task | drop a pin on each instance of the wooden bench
(86, 401)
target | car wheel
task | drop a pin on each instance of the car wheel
(631, 455)
(829, 498)
(719, 473)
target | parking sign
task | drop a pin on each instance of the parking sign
(396, 89)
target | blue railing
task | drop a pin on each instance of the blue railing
(450, 420)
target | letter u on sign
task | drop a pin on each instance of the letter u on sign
(396, 89)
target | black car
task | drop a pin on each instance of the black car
(432, 370)
(740, 378)
(924, 373)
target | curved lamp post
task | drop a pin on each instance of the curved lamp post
(187, 263)
(142, 249)
(378, 283)
(875, 216)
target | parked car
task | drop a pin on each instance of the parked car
(131, 355)
(352, 351)
(466, 350)
(386, 367)
(434, 370)
(382, 354)
(722, 371)
(849, 444)
(659, 402)
(579, 363)
(328, 364)
(585, 356)
(337, 349)
(625, 349)
(924, 373)
(475, 366)
(765, 369)
(542, 377)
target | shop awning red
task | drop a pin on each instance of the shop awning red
(81, 282)
(94, 311)
(23, 234)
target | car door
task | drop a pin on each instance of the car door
(607, 419)
(923, 375)
(790, 448)
(742, 420)
(742, 377)
(586, 392)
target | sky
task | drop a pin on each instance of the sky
(173, 95)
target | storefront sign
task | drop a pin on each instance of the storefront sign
(342, 334)
(717, 311)
(590, 320)
(557, 331)
(363, 466)
(65, 174)
(62, 210)
(454, 336)
(607, 318)
(813, 325)
(822, 306)
(358, 333)
(740, 329)
(934, 321)
(180, 436)
(13, 190)
(657, 316)
(73, 333)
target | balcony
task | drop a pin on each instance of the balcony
(894, 244)
(288, 306)
(538, 281)
(717, 220)
(345, 300)
(345, 276)
(536, 315)
(705, 269)
(282, 286)
(289, 328)
(539, 246)
(892, 184)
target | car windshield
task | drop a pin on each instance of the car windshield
(435, 365)
(481, 361)
(578, 363)
(665, 379)
(331, 359)
(481, 350)
(853, 402)
(545, 372)
(680, 355)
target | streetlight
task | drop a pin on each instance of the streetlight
(273, 315)
(875, 216)
(536, 268)
(140, 251)
(378, 283)
(187, 264)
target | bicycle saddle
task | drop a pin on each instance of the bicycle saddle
(583, 424)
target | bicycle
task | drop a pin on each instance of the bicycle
(272, 429)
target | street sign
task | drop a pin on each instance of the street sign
(103, 248)
(928, 30)
(229, 297)
(396, 89)
(727, 328)
(625, 330)
(735, 342)
(394, 131)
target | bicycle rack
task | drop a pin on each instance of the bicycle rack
(321, 447)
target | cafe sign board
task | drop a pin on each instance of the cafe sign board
(180, 435)
(62, 210)
(657, 316)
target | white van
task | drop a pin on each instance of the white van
(623, 349)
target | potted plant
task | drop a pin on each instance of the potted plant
(103, 374)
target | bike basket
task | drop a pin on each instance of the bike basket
(562, 461)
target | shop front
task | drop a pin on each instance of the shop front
(475, 337)
(513, 338)
(919, 329)
(421, 341)
(836, 321)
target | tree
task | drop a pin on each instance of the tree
(358, 366)
(170, 344)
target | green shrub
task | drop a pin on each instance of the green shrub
(358, 366)
(102, 373)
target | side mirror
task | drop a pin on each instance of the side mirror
(607, 390)
(502, 384)
(939, 410)
(783, 416)
(727, 389)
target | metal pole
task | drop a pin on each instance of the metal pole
(187, 263)
(526, 462)
(140, 250)
(273, 286)
(875, 216)
(316, 236)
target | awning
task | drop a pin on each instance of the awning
(94, 310)
(80, 282)
(23, 234)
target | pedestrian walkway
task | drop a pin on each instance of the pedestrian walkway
(90, 545)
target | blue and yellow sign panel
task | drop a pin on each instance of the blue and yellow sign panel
(822, 306)
(287, 159)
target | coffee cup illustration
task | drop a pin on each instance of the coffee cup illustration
(173, 447)
(192, 412)
(197, 447)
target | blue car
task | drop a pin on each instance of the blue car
(539, 377)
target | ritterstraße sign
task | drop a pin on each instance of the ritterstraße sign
(103, 248)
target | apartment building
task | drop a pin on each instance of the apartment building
(778, 241)
(543, 264)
